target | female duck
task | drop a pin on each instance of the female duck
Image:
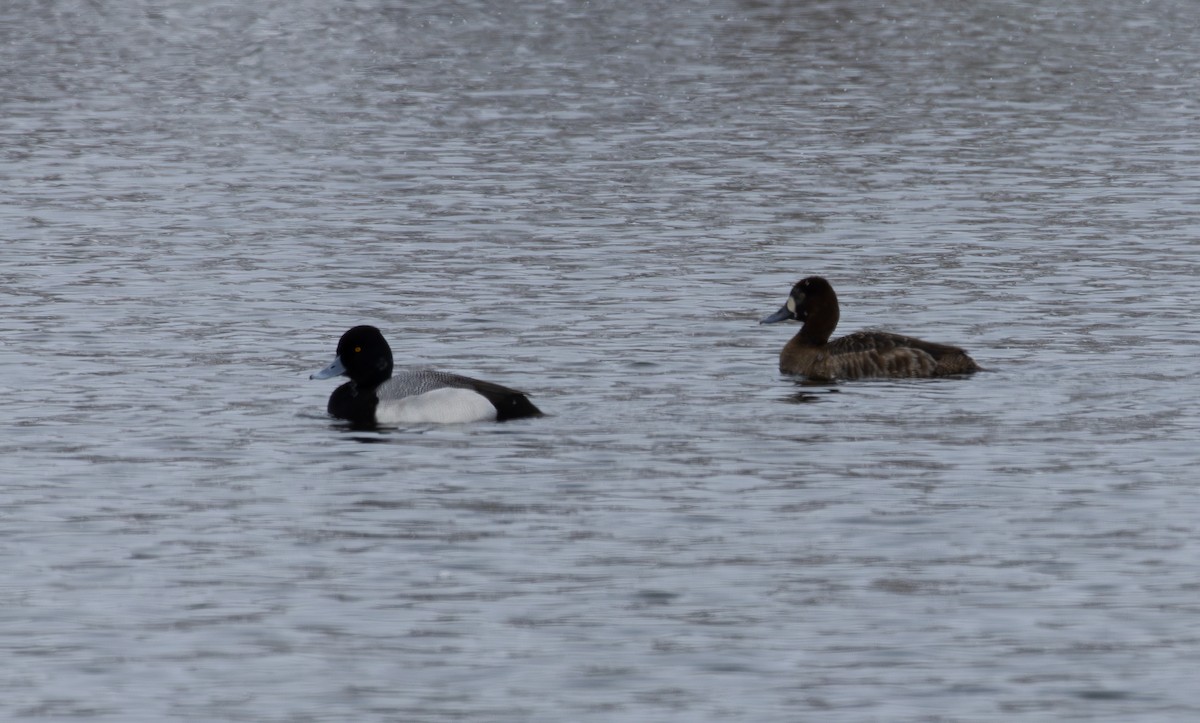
(858, 355)
(374, 396)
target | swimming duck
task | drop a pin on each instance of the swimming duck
(858, 355)
(374, 396)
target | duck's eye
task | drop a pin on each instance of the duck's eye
(357, 349)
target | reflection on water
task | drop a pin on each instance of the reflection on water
(811, 391)
(596, 203)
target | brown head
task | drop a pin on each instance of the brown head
(812, 302)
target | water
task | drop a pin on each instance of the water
(595, 203)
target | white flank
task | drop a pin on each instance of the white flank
(441, 406)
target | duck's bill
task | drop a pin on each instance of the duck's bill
(783, 314)
(333, 370)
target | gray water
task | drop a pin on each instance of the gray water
(596, 202)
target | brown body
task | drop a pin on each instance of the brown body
(859, 355)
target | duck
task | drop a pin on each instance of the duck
(374, 396)
(861, 355)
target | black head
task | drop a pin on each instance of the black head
(807, 295)
(363, 355)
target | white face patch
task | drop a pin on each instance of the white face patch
(791, 305)
(449, 405)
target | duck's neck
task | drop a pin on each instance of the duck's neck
(819, 325)
(371, 378)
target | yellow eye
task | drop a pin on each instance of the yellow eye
(357, 349)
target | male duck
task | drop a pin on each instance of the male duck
(374, 396)
(858, 355)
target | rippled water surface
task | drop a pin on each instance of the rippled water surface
(596, 202)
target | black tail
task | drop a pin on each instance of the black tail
(513, 406)
(509, 403)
